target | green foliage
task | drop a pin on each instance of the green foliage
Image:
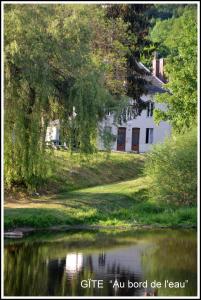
(51, 70)
(160, 33)
(178, 39)
(26, 97)
(137, 18)
(165, 11)
(108, 139)
(88, 98)
(172, 169)
(161, 18)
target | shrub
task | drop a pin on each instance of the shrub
(108, 139)
(172, 169)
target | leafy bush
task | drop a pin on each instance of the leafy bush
(172, 169)
(108, 139)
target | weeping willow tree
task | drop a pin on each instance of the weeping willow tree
(27, 89)
(59, 59)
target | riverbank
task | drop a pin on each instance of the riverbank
(119, 204)
(20, 232)
(125, 203)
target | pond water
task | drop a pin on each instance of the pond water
(102, 263)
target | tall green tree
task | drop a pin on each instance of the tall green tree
(52, 71)
(135, 15)
(179, 36)
(27, 88)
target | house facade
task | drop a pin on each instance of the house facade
(138, 134)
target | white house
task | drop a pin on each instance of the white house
(140, 133)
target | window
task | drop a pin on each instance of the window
(150, 109)
(149, 135)
(121, 138)
(108, 112)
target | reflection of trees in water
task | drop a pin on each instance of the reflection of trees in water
(102, 259)
(30, 271)
(43, 276)
(173, 259)
(111, 272)
(25, 272)
(90, 263)
(116, 272)
(54, 276)
(50, 277)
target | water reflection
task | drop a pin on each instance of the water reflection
(74, 263)
(78, 267)
(56, 265)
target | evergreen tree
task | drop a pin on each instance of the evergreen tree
(138, 28)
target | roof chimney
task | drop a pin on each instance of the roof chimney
(158, 67)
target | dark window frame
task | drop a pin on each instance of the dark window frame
(150, 109)
(147, 137)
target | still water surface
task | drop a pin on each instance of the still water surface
(56, 264)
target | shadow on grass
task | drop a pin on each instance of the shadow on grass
(114, 204)
(78, 207)
(102, 200)
(74, 176)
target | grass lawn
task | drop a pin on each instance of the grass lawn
(71, 172)
(95, 191)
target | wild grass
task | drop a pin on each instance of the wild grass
(124, 203)
(75, 171)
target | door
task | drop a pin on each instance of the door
(135, 139)
(121, 139)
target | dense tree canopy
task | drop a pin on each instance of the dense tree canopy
(140, 45)
(179, 38)
(165, 11)
(71, 62)
(52, 71)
